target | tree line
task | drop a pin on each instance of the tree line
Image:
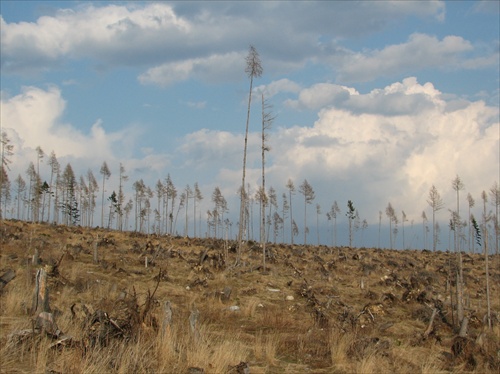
(61, 198)
(58, 196)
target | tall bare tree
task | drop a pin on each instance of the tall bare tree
(54, 170)
(105, 175)
(403, 220)
(495, 200)
(436, 203)
(272, 202)
(32, 178)
(486, 218)
(285, 207)
(122, 178)
(127, 209)
(197, 197)
(160, 193)
(364, 226)
(351, 215)
(84, 201)
(93, 189)
(5, 195)
(20, 188)
(170, 194)
(379, 226)
(6, 151)
(140, 192)
(291, 191)
(471, 202)
(391, 214)
(332, 216)
(425, 229)
(261, 197)
(219, 209)
(253, 70)
(189, 194)
(306, 189)
(458, 186)
(318, 212)
(38, 199)
(71, 212)
(267, 121)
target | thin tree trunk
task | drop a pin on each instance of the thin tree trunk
(486, 258)
(242, 192)
(262, 199)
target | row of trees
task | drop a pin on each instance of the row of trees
(61, 198)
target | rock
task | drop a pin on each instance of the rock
(234, 308)
(289, 298)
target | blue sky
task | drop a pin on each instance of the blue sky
(375, 101)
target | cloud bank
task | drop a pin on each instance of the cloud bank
(176, 42)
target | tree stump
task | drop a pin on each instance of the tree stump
(45, 322)
(41, 293)
(167, 316)
(193, 322)
(96, 253)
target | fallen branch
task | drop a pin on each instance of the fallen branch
(431, 322)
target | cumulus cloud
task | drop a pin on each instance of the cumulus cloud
(33, 118)
(373, 157)
(321, 95)
(399, 98)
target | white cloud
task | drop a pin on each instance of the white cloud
(33, 118)
(321, 95)
(276, 87)
(211, 68)
(375, 158)
(399, 98)
(366, 150)
(419, 52)
(176, 41)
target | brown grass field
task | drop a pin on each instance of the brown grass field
(312, 310)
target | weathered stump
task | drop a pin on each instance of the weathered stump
(41, 293)
(167, 317)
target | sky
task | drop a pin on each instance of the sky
(374, 101)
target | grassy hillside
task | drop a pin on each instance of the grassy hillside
(191, 310)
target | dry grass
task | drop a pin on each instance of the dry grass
(309, 312)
